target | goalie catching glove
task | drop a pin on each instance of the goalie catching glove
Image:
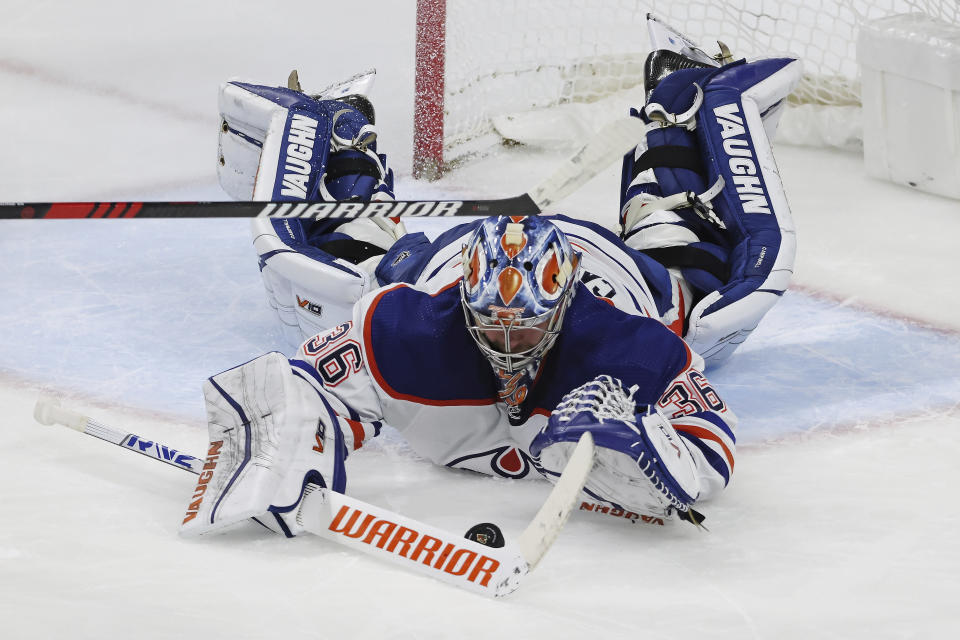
(642, 464)
(266, 446)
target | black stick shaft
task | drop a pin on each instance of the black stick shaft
(516, 206)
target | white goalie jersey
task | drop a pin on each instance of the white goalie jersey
(406, 358)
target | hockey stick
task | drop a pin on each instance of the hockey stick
(375, 531)
(609, 144)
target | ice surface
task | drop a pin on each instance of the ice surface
(837, 523)
(178, 309)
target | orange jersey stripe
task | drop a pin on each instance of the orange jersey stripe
(706, 434)
(677, 325)
(358, 433)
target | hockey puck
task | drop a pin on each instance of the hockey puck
(486, 533)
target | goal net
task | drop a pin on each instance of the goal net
(553, 70)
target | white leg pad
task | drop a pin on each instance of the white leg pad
(310, 296)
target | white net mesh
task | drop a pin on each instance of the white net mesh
(506, 56)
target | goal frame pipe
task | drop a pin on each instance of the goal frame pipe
(429, 89)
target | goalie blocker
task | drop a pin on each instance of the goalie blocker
(266, 446)
(267, 458)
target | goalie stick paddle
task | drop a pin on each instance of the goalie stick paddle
(610, 143)
(391, 536)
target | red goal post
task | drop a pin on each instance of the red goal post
(428, 90)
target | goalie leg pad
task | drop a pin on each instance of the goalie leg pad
(270, 434)
(733, 127)
(311, 289)
(314, 272)
(642, 464)
(745, 225)
(280, 144)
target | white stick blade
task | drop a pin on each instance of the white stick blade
(411, 544)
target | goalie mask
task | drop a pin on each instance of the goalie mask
(518, 277)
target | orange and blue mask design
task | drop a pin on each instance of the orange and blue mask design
(518, 277)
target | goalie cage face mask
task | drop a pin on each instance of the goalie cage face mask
(518, 280)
